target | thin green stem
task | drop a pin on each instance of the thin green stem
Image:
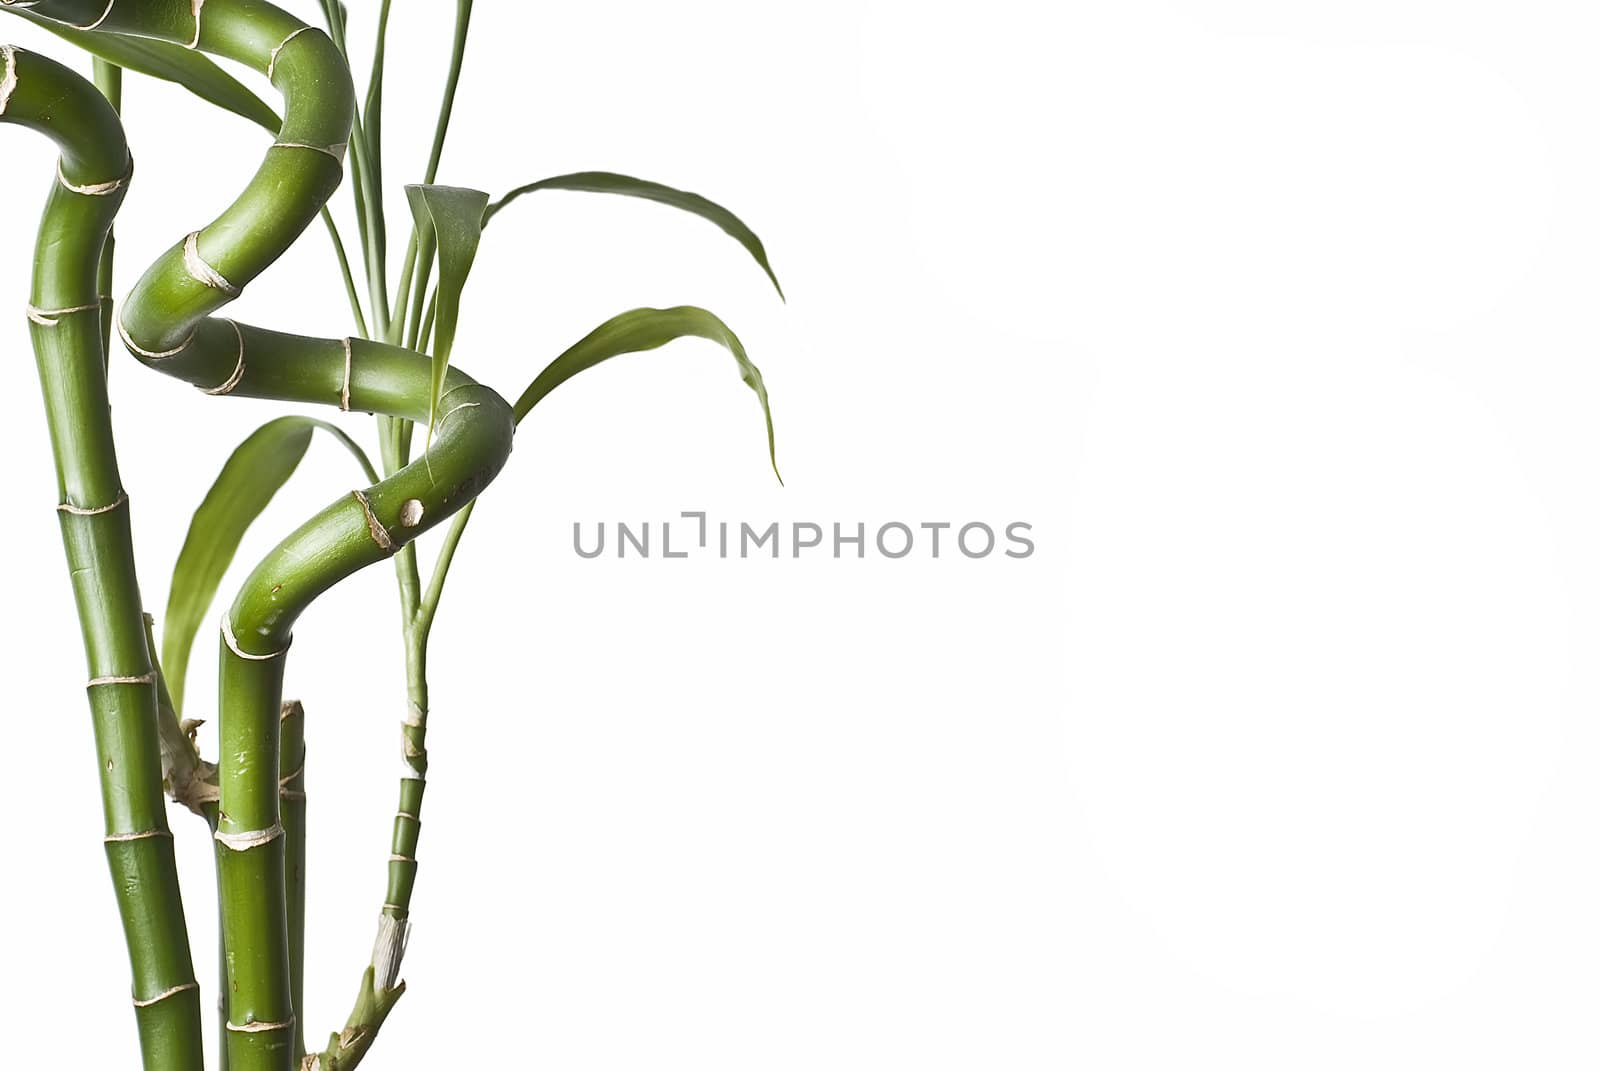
(371, 135)
(405, 563)
(333, 18)
(358, 194)
(292, 793)
(425, 339)
(418, 264)
(361, 187)
(441, 569)
(368, 195)
(458, 51)
(350, 291)
(425, 256)
(108, 80)
(408, 271)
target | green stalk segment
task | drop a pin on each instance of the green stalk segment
(65, 323)
(167, 322)
(108, 79)
(292, 791)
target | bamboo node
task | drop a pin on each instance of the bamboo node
(272, 57)
(174, 991)
(129, 838)
(250, 838)
(233, 645)
(150, 355)
(102, 682)
(335, 151)
(94, 189)
(259, 1027)
(344, 392)
(93, 511)
(52, 317)
(457, 409)
(200, 271)
(238, 369)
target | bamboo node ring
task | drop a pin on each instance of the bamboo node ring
(202, 272)
(93, 511)
(250, 838)
(174, 991)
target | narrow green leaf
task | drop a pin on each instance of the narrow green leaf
(453, 217)
(372, 112)
(606, 182)
(648, 329)
(253, 474)
(169, 62)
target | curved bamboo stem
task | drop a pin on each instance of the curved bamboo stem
(65, 322)
(168, 322)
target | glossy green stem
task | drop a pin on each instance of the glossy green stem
(108, 80)
(65, 324)
(167, 322)
(292, 793)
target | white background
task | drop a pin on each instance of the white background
(1275, 319)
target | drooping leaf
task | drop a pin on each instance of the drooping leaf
(169, 62)
(648, 329)
(453, 217)
(253, 474)
(606, 182)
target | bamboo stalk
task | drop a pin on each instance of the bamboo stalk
(107, 79)
(292, 793)
(65, 323)
(167, 322)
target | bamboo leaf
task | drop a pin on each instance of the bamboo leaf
(606, 182)
(170, 63)
(648, 329)
(452, 217)
(253, 474)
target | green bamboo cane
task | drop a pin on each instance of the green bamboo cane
(65, 323)
(166, 321)
(108, 79)
(292, 793)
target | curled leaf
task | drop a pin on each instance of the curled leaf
(648, 329)
(626, 186)
(449, 218)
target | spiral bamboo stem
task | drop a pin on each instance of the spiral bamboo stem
(168, 322)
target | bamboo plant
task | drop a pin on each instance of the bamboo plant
(442, 438)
